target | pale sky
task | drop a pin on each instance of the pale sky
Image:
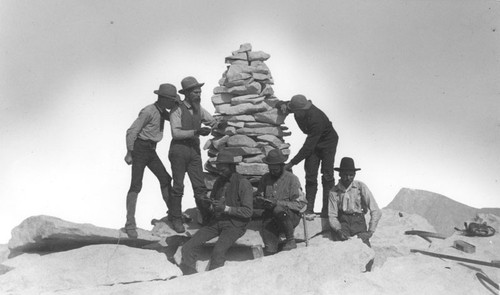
(412, 88)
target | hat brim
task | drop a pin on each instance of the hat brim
(340, 170)
(306, 107)
(199, 85)
(224, 162)
(177, 97)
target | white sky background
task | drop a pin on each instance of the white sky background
(412, 88)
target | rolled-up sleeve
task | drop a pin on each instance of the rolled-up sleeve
(333, 211)
(136, 127)
(371, 204)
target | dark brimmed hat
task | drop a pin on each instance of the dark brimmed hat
(299, 102)
(274, 157)
(347, 164)
(225, 157)
(167, 90)
(189, 83)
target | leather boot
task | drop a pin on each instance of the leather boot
(177, 225)
(287, 226)
(130, 225)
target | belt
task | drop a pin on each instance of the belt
(352, 214)
(187, 141)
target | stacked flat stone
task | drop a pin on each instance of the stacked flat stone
(245, 99)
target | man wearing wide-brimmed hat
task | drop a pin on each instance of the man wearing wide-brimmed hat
(283, 201)
(319, 147)
(184, 154)
(231, 203)
(142, 137)
(348, 202)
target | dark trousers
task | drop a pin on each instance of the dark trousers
(275, 222)
(325, 157)
(144, 155)
(185, 158)
(227, 232)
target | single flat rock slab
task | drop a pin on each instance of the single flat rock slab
(252, 88)
(242, 109)
(252, 169)
(276, 131)
(251, 98)
(240, 140)
(244, 151)
(240, 118)
(48, 234)
(90, 266)
(221, 98)
(273, 140)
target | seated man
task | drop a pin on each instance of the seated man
(231, 206)
(349, 201)
(281, 196)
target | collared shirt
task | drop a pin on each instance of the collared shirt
(286, 190)
(146, 126)
(176, 124)
(349, 200)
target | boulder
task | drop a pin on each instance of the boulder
(244, 151)
(258, 55)
(273, 140)
(243, 48)
(90, 266)
(220, 89)
(221, 142)
(254, 159)
(49, 234)
(240, 118)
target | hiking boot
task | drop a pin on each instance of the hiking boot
(178, 226)
(289, 245)
(131, 233)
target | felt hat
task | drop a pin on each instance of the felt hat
(167, 90)
(347, 164)
(274, 157)
(225, 157)
(189, 83)
(299, 102)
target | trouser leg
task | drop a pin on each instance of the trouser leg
(229, 234)
(140, 159)
(311, 166)
(270, 234)
(191, 249)
(178, 156)
(197, 178)
(156, 166)
(327, 157)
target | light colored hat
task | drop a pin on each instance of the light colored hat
(299, 102)
(189, 83)
(167, 90)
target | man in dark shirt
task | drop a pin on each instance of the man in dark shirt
(142, 137)
(231, 206)
(281, 196)
(319, 148)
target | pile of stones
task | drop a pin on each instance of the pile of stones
(245, 99)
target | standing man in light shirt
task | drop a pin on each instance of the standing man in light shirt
(142, 137)
(184, 154)
(348, 202)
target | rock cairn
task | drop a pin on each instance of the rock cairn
(245, 99)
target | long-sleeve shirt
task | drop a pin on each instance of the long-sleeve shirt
(319, 130)
(285, 190)
(350, 200)
(238, 195)
(176, 122)
(147, 126)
